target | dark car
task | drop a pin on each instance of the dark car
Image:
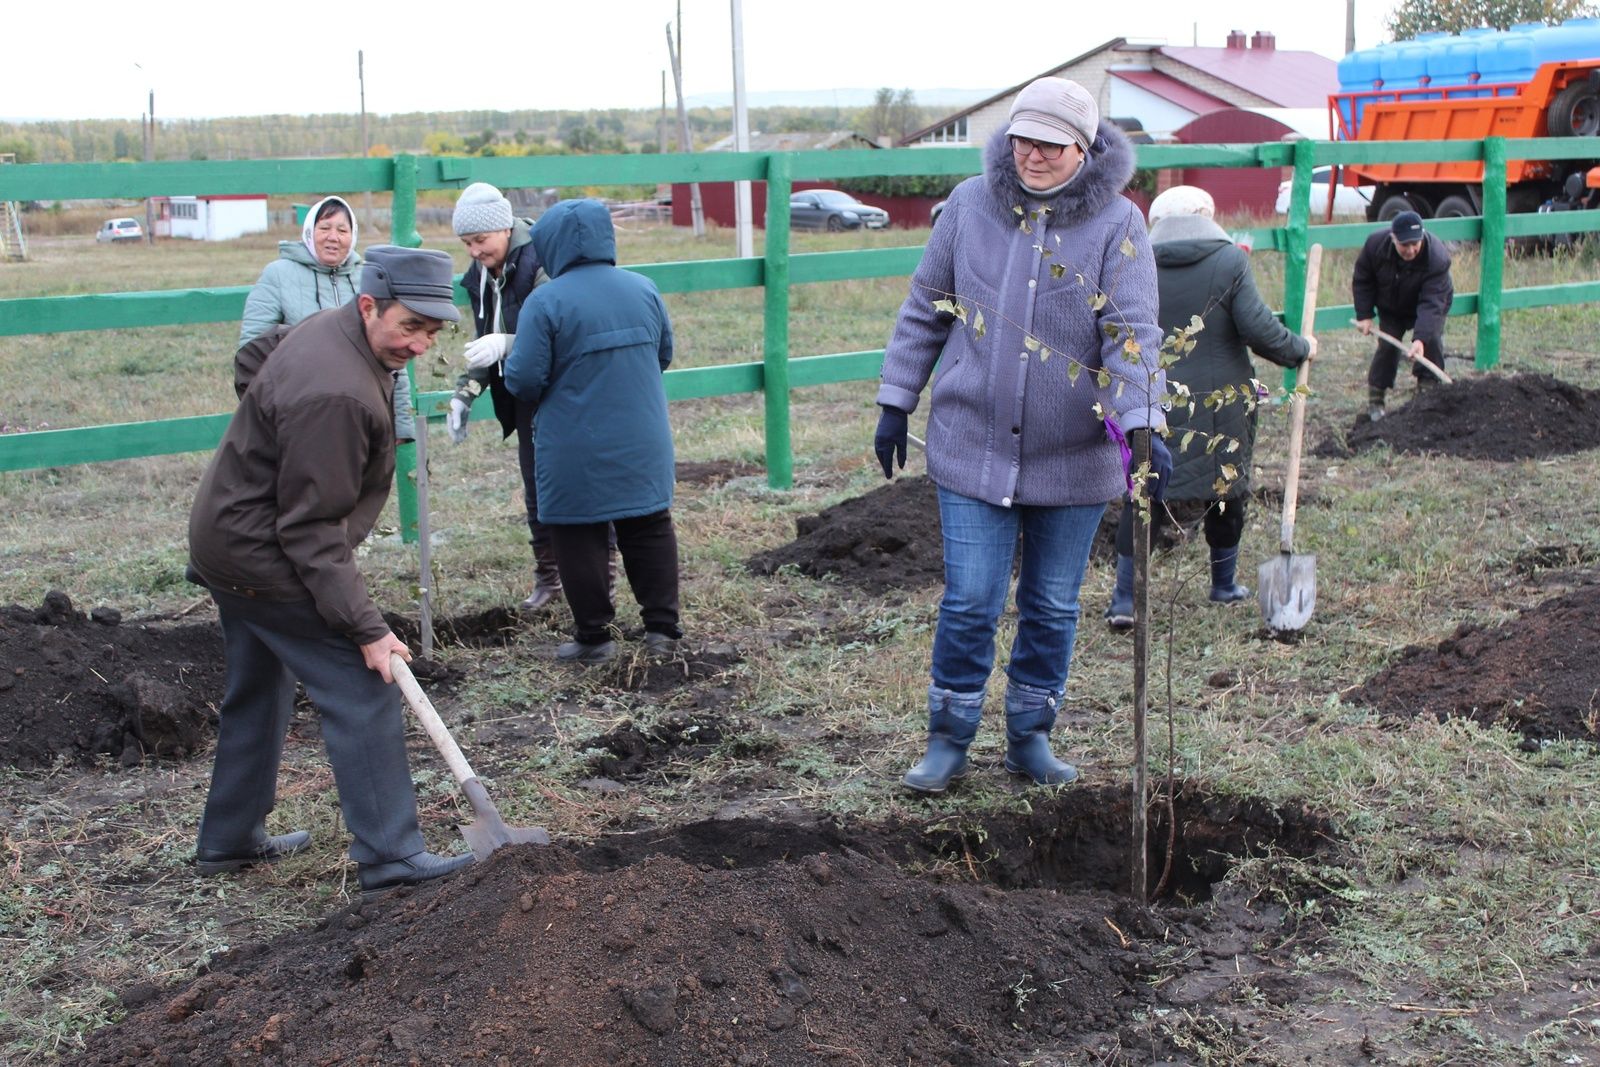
(831, 209)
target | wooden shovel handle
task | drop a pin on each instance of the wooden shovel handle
(422, 707)
(1423, 361)
(1297, 410)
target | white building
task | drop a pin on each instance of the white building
(210, 218)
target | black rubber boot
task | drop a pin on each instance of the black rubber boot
(1224, 568)
(1375, 403)
(952, 724)
(1030, 715)
(1119, 615)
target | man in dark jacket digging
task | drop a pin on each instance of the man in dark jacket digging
(1404, 273)
(296, 484)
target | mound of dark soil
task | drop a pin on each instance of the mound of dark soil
(74, 686)
(730, 943)
(1492, 416)
(888, 539)
(1536, 674)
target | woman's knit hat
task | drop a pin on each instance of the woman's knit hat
(1182, 200)
(1055, 110)
(481, 209)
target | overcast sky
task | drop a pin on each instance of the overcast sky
(77, 60)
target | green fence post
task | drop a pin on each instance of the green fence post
(1491, 252)
(775, 317)
(1297, 243)
(403, 231)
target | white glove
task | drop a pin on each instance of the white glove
(457, 420)
(488, 350)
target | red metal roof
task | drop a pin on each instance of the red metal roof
(1287, 79)
(1172, 90)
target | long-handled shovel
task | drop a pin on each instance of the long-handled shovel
(1421, 361)
(488, 831)
(1288, 582)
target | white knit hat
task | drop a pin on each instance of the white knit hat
(1055, 110)
(1182, 200)
(481, 209)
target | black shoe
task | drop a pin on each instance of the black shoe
(212, 861)
(660, 643)
(421, 867)
(579, 652)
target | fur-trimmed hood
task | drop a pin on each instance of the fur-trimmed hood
(1104, 174)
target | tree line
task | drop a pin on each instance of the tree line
(527, 132)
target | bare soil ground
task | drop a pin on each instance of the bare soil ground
(76, 685)
(746, 942)
(1491, 416)
(1535, 674)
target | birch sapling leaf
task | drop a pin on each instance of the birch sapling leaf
(1183, 443)
(1102, 378)
(978, 327)
(1126, 248)
(1031, 343)
(1057, 270)
(1074, 368)
(1098, 301)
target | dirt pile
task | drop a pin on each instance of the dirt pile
(74, 686)
(1490, 416)
(887, 539)
(734, 943)
(1535, 675)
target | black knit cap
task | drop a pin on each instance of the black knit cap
(1406, 227)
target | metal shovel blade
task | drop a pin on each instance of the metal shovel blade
(488, 831)
(1287, 591)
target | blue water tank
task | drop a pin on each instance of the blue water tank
(1453, 60)
(1405, 65)
(1572, 39)
(1359, 72)
(1509, 56)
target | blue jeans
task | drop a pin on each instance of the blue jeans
(980, 544)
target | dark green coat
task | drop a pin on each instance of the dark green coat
(1199, 271)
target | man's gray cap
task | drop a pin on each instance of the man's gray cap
(420, 278)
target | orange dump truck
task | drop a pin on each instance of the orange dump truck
(1561, 100)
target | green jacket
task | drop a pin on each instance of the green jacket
(1199, 271)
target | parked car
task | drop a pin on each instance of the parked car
(120, 230)
(1347, 199)
(831, 209)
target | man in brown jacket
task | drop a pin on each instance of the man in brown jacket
(297, 483)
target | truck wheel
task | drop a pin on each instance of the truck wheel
(1395, 203)
(1575, 112)
(1455, 207)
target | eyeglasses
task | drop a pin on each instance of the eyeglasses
(1022, 147)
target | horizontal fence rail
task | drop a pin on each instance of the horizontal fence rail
(777, 373)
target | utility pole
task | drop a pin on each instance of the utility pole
(742, 212)
(149, 157)
(684, 143)
(1349, 26)
(361, 80)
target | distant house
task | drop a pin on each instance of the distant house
(210, 218)
(1164, 89)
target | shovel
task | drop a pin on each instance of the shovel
(1405, 350)
(488, 831)
(1287, 588)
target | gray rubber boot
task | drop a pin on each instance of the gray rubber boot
(952, 724)
(1030, 714)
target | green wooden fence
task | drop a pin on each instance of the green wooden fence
(776, 270)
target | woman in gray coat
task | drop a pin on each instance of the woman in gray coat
(1202, 272)
(1044, 248)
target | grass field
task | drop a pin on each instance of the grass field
(1469, 903)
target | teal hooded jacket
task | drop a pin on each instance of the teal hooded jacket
(591, 345)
